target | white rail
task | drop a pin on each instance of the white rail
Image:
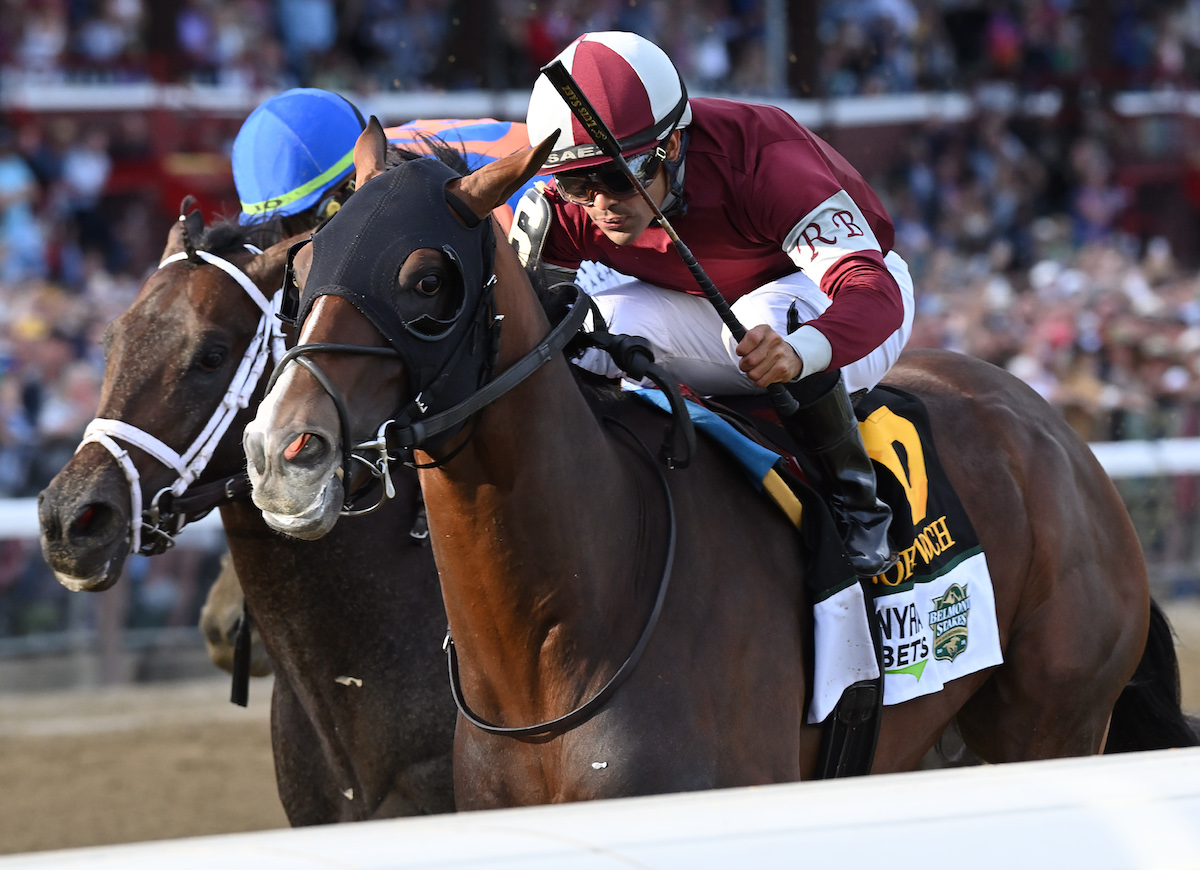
(1140, 810)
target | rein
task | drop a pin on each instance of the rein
(588, 708)
(393, 436)
(172, 508)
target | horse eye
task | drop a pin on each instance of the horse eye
(211, 361)
(429, 285)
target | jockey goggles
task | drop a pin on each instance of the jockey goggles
(583, 186)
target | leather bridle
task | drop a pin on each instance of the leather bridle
(394, 441)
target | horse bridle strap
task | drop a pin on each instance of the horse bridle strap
(419, 433)
(393, 436)
(166, 518)
(590, 707)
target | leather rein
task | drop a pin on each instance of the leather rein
(589, 707)
(392, 436)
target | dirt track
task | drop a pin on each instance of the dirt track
(177, 760)
(138, 763)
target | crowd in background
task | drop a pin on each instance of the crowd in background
(866, 46)
(1013, 228)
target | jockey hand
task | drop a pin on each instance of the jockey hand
(766, 358)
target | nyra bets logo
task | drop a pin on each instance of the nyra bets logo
(948, 622)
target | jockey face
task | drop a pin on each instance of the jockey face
(623, 219)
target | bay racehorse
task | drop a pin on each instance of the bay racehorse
(619, 629)
(361, 723)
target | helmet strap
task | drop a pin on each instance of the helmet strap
(675, 203)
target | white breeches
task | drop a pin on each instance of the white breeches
(694, 346)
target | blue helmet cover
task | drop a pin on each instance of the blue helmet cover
(293, 149)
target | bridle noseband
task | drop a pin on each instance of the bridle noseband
(165, 518)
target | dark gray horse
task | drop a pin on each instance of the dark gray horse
(361, 721)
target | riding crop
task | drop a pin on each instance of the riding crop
(852, 729)
(785, 404)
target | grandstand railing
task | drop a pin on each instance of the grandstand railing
(18, 95)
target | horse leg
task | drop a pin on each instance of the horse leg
(302, 774)
(1054, 694)
(910, 730)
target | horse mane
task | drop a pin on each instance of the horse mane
(438, 148)
(227, 237)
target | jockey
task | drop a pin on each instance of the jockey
(787, 229)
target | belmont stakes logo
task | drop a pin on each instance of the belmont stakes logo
(948, 622)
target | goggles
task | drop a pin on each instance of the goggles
(582, 187)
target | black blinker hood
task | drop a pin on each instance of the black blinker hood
(358, 253)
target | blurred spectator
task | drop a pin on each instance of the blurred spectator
(43, 40)
(85, 171)
(1096, 201)
(309, 29)
(22, 242)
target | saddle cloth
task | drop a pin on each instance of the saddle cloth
(935, 610)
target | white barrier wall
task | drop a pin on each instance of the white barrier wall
(1140, 810)
(19, 519)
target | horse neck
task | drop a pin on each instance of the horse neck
(533, 520)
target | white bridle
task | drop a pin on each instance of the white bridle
(268, 341)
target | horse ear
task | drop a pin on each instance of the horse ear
(370, 153)
(490, 185)
(186, 231)
(174, 241)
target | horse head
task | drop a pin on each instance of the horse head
(181, 366)
(399, 323)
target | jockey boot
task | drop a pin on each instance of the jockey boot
(827, 431)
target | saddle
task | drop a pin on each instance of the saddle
(934, 611)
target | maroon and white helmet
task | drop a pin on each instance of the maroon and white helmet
(632, 84)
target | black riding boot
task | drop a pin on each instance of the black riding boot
(828, 433)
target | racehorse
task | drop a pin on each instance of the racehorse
(579, 672)
(361, 722)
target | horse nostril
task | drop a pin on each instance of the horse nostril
(92, 521)
(83, 522)
(293, 449)
(306, 450)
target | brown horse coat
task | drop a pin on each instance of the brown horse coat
(549, 529)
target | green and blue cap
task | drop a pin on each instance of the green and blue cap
(292, 150)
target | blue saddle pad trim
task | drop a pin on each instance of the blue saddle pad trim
(753, 457)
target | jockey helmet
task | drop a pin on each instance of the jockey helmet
(630, 82)
(292, 151)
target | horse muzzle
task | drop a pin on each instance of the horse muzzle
(84, 541)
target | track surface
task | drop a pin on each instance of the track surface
(175, 760)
